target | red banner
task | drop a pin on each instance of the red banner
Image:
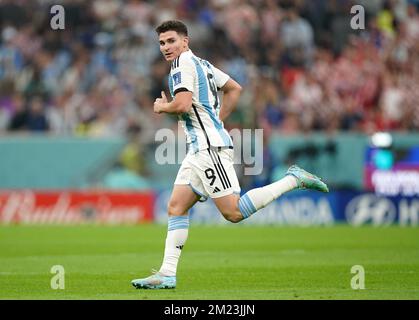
(75, 207)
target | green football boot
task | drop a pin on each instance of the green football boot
(306, 180)
(155, 281)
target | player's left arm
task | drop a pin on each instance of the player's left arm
(181, 103)
(232, 91)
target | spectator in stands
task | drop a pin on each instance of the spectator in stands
(36, 119)
(296, 35)
(18, 119)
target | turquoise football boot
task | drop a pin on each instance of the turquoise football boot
(306, 180)
(155, 281)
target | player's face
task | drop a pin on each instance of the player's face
(172, 44)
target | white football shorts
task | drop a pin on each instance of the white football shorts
(210, 173)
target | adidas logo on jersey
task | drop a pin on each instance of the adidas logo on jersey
(216, 190)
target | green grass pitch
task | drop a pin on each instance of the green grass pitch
(218, 262)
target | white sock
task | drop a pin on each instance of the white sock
(176, 237)
(258, 198)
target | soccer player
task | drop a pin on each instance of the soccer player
(207, 170)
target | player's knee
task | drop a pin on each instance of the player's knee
(234, 216)
(174, 208)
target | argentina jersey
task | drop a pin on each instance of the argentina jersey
(201, 124)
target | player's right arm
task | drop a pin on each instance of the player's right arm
(182, 75)
(232, 91)
(181, 103)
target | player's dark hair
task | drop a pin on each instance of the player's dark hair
(173, 25)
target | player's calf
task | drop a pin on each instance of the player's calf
(233, 217)
(229, 207)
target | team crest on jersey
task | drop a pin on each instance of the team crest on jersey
(176, 78)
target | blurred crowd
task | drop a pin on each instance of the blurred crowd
(302, 65)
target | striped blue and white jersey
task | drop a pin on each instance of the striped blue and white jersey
(202, 125)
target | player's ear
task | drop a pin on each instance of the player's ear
(186, 41)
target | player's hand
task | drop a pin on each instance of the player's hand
(158, 103)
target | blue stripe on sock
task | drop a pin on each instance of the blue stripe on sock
(246, 206)
(177, 221)
(177, 225)
(173, 225)
(181, 226)
(252, 207)
(181, 222)
(243, 210)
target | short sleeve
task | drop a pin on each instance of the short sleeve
(183, 75)
(220, 77)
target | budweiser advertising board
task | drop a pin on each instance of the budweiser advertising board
(74, 207)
